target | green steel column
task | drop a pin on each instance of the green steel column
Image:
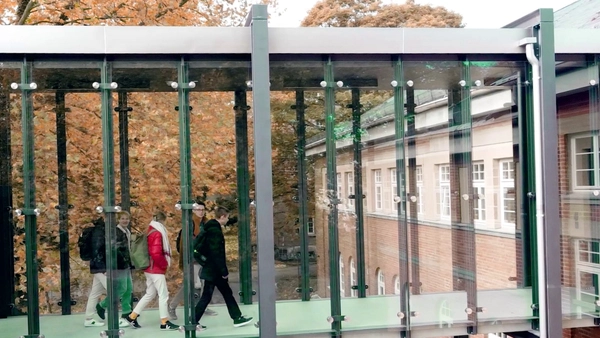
(63, 203)
(185, 160)
(413, 220)
(305, 288)
(358, 194)
(334, 251)
(109, 209)
(243, 190)
(123, 111)
(398, 85)
(595, 125)
(33, 310)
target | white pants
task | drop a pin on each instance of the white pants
(155, 284)
(98, 289)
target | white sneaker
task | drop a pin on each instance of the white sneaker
(92, 322)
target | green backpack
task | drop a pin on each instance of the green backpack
(139, 251)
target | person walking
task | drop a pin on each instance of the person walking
(210, 243)
(197, 223)
(156, 283)
(98, 271)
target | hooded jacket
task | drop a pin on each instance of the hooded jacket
(214, 250)
(98, 261)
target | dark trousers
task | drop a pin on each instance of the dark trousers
(225, 290)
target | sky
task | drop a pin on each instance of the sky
(476, 13)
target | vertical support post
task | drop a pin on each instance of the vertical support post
(403, 242)
(550, 315)
(243, 189)
(526, 174)
(264, 177)
(302, 196)
(358, 194)
(413, 220)
(330, 155)
(185, 160)
(7, 264)
(461, 192)
(63, 203)
(108, 169)
(123, 111)
(33, 311)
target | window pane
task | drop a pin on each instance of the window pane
(583, 145)
(585, 178)
(584, 161)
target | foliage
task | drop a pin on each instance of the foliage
(374, 13)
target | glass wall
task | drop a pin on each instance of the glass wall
(578, 109)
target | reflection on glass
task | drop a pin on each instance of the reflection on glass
(578, 124)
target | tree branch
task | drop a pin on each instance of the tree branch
(24, 10)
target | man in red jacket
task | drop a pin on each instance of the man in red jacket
(156, 283)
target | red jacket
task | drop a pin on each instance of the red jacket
(158, 262)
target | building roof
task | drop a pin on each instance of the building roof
(579, 14)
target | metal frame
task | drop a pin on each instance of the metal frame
(261, 43)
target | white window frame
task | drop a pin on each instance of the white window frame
(506, 183)
(396, 285)
(339, 187)
(378, 189)
(595, 162)
(479, 212)
(310, 227)
(380, 282)
(394, 184)
(445, 209)
(353, 292)
(342, 281)
(350, 189)
(419, 179)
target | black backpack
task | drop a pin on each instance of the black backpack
(85, 243)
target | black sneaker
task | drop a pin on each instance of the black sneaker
(169, 326)
(100, 311)
(241, 321)
(133, 322)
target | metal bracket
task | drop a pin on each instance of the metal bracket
(245, 108)
(105, 86)
(190, 107)
(299, 290)
(301, 106)
(241, 293)
(352, 197)
(112, 333)
(64, 207)
(27, 212)
(23, 86)
(73, 302)
(108, 209)
(123, 109)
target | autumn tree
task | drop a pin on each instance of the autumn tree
(153, 136)
(374, 13)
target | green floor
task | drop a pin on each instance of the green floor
(296, 318)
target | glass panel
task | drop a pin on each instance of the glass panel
(221, 176)
(503, 286)
(12, 271)
(68, 171)
(437, 165)
(368, 231)
(578, 111)
(300, 192)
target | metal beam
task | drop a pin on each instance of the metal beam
(123, 111)
(120, 40)
(264, 177)
(549, 143)
(63, 203)
(243, 191)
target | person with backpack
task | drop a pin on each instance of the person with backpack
(92, 248)
(197, 222)
(123, 272)
(159, 251)
(209, 249)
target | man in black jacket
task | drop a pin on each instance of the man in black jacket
(211, 243)
(98, 270)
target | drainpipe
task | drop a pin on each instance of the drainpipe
(529, 44)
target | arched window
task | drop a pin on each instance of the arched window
(396, 285)
(353, 292)
(342, 284)
(380, 282)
